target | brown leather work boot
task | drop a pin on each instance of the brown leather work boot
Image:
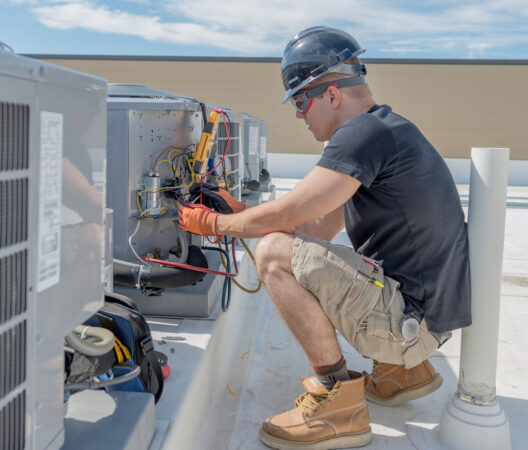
(392, 385)
(321, 419)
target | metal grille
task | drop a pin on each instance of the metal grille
(233, 154)
(12, 358)
(13, 285)
(13, 211)
(14, 136)
(13, 423)
(14, 155)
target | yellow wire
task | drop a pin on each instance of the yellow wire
(167, 161)
(174, 150)
(249, 291)
(186, 186)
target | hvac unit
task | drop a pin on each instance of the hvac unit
(152, 140)
(52, 162)
(250, 178)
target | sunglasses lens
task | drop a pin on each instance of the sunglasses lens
(300, 103)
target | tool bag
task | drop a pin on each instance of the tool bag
(133, 344)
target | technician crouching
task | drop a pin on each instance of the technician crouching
(381, 179)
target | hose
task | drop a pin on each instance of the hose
(141, 276)
(76, 340)
(134, 372)
(249, 291)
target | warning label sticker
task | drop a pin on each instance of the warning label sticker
(51, 134)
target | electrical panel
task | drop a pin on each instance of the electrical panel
(52, 180)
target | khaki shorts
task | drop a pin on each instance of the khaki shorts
(367, 315)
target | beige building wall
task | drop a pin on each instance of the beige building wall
(456, 105)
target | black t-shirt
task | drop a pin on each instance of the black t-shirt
(406, 213)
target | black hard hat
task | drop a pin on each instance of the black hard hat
(316, 51)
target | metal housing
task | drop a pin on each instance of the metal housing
(52, 163)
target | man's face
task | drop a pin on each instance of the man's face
(319, 118)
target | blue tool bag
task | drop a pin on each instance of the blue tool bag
(133, 344)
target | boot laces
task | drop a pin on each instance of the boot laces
(376, 366)
(310, 401)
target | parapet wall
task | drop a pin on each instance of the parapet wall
(458, 104)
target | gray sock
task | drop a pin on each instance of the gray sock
(329, 375)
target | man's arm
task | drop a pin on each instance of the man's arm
(321, 192)
(326, 227)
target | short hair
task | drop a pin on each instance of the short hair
(358, 91)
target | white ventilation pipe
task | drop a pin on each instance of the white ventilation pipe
(473, 418)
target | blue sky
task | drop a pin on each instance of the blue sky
(402, 29)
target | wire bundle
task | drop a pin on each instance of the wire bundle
(174, 163)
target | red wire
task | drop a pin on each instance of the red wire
(187, 266)
(213, 242)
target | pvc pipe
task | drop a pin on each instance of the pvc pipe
(487, 213)
(473, 418)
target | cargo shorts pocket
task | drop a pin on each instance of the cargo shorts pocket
(379, 335)
(332, 273)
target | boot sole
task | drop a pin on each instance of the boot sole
(408, 394)
(347, 440)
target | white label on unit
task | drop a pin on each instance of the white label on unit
(253, 140)
(97, 156)
(263, 148)
(51, 134)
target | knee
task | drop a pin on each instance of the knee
(272, 252)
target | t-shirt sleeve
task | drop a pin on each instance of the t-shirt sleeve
(362, 147)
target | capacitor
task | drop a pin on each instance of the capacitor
(410, 327)
(152, 196)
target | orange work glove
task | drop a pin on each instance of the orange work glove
(197, 220)
(216, 198)
(235, 205)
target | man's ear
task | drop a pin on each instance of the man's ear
(334, 95)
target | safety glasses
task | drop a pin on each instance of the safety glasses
(302, 101)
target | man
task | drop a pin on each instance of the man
(381, 179)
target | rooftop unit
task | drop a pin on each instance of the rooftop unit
(152, 140)
(52, 180)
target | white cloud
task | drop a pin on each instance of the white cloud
(139, 2)
(263, 27)
(100, 18)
